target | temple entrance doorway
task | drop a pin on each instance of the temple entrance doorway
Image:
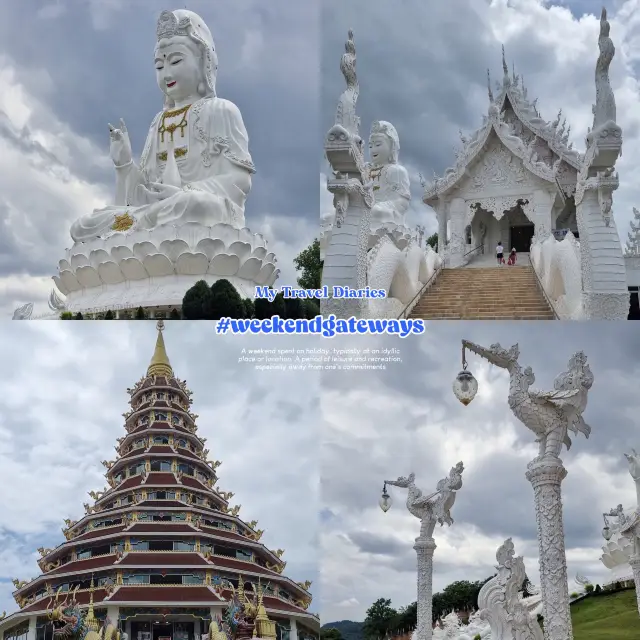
(520, 237)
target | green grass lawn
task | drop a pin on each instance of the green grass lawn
(607, 617)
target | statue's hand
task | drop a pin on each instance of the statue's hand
(120, 147)
(156, 191)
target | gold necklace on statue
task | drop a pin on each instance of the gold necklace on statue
(171, 128)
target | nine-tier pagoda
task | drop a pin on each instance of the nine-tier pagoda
(160, 553)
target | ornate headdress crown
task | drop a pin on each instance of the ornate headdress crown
(169, 26)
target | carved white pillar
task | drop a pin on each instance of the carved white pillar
(31, 634)
(113, 614)
(293, 629)
(546, 475)
(457, 216)
(542, 213)
(424, 549)
(441, 212)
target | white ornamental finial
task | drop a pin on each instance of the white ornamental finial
(633, 241)
(160, 325)
(489, 86)
(604, 110)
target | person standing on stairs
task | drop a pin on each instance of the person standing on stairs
(500, 253)
(512, 257)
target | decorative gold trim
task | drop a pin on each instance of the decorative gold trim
(122, 222)
(180, 152)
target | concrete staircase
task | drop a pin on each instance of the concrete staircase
(489, 293)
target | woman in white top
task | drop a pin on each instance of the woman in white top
(500, 253)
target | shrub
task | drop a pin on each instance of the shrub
(598, 589)
(477, 637)
(588, 588)
(262, 308)
(109, 315)
(247, 303)
(311, 308)
(78, 316)
(66, 315)
(573, 595)
(195, 301)
(174, 315)
(224, 302)
(140, 314)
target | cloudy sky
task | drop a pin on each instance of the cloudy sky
(380, 425)
(67, 67)
(64, 396)
(422, 66)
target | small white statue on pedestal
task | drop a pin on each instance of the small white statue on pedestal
(195, 166)
(391, 186)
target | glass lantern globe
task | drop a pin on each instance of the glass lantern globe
(385, 500)
(606, 533)
(465, 387)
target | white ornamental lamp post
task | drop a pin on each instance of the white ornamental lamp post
(549, 415)
(430, 510)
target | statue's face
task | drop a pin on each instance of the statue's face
(381, 148)
(178, 67)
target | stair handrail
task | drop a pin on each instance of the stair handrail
(480, 246)
(544, 293)
(424, 287)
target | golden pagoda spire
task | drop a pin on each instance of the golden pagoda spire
(160, 365)
(90, 621)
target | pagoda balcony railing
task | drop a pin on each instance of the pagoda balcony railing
(146, 454)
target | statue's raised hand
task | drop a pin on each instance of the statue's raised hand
(120, 147)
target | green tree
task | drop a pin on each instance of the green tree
(589, 588)
(194, 301)
(66, 315)
(432, 241)
(174, 315)
(378, 620)
(309, 263)
(224, 302)
(140, 314)
(293, 308)
(330, 634)
(262, 308)
(78, 316)
(109, 315)
(310, 308)
(278, 306)
(247, 303)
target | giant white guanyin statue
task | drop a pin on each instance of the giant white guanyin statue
(178, 214)
(195, 166)
(390, 180)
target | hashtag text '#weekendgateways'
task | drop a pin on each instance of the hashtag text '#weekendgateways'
(319, 294)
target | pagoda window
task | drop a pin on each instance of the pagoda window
(136, 469)
(162, 517)
(160, 465)
(179, 517)
(161, 440)
(201, 477)
(206, 548)
(101, 550)
(119, 477)
(225, 551)
(175, 420)
(117, 546)
(109, 505)
(283, 630)
(144, 420)
(186, 469)
(169, 578)
(139, 443)
(144, 516)
(139, 545)
(241, 554)
(136, 578)
(193, 579)
(160, 545)
(160, 395)
(283, 594)
(83, 554)
(44, 629)
(161, 417)
(184, 545)
(183, 443)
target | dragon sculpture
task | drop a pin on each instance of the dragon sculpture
(435, 508)
(72, 623)
(548, 414)
(500, 603)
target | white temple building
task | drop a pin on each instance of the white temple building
(517, 179)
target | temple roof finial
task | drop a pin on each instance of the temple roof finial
(489, 86)
(160, 365)
(505, 68)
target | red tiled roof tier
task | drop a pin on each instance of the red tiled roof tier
(85, 565)
(188, 559)
(193, 483)
(134, 481)
(242, 565)
(277, 604)
(187, 453)
(161, 478)
(82, 597)
(97, 533)
(168, 594)
(161, 448)
(164, 527)
(223, 533)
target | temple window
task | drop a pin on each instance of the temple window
(136, 469)
(118, 478)
(136, 578)
(44, 629)
(184, 545)
(186, 469)
(283, 630)
(243, 555)
(183, 443)
(161, 440)
(161, 417)
(83, 554)
(193, 579)
(160, 465)
(160, 395)
(101, 550)
(283, 594)
(175, 420)
(206, 548)
(160, 545)
(117, 546)
(139, 545)
(168, 578)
